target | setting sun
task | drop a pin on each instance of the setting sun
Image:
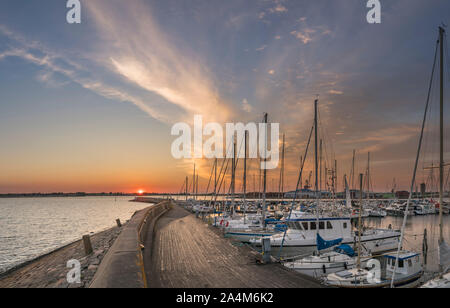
(140, 191)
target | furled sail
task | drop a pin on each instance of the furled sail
(345, 249)
(322, 244)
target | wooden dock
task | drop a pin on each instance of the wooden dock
(187, 253)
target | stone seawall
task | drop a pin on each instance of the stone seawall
(123, 265)
(50, 270)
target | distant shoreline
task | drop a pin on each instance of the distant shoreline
(62, 195)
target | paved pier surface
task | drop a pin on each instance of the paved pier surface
(49, 271)
(186, 253)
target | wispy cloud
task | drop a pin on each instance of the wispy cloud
(305, 36)
(138, 52)
(143, 55)
(335, 92)
(279, 8)
(261, 48)
(246, 106)
(52, 62)
(308, 34)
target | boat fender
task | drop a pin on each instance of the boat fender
(345, 266)
(324, 269)
(228, 223)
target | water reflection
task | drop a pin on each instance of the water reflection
(30, 227)
(414, 233)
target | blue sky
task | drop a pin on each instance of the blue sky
(90, 106)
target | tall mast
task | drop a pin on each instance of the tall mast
(259, 183)
(359, 220)
(281, 184)
(187, 188)
(233, 174)
(215, 176)
(335, 180)
(301, 175)
(316, 162)
(193, 184)
(245, 175)
(320, 166)
(353, 170)
(335, 175)
(441, 161)
(368, 175)
(265, 173)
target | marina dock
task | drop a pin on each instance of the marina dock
(187, 253)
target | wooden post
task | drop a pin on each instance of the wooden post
(425, 247)
(266, 247)
(87, 245)
(119, 224)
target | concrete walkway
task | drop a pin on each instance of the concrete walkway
(186, 253)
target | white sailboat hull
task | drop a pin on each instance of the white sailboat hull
(373, 244)
(320, 266)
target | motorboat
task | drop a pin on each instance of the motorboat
(407, 273)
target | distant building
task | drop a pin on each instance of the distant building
(307, 194)
(402, 194)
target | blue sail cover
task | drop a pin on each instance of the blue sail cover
(345, 249)
(280, 227)
(272, 221)
(322, 244)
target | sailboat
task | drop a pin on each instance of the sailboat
(321, 264)
(404, 268)
(317, 265)
(301, 236)
(407, 273)
(401, 269)
(247, 228)
(443, 278)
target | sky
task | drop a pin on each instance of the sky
(90, 106)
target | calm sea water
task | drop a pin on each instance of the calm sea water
(32, 227)
(415, 227)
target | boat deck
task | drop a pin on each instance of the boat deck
(187, 253)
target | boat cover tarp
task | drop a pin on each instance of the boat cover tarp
(322, 244)
(444, 255)
(345, 249)
(280, 228)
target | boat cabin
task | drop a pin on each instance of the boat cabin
(329, 228)
(408, 263)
